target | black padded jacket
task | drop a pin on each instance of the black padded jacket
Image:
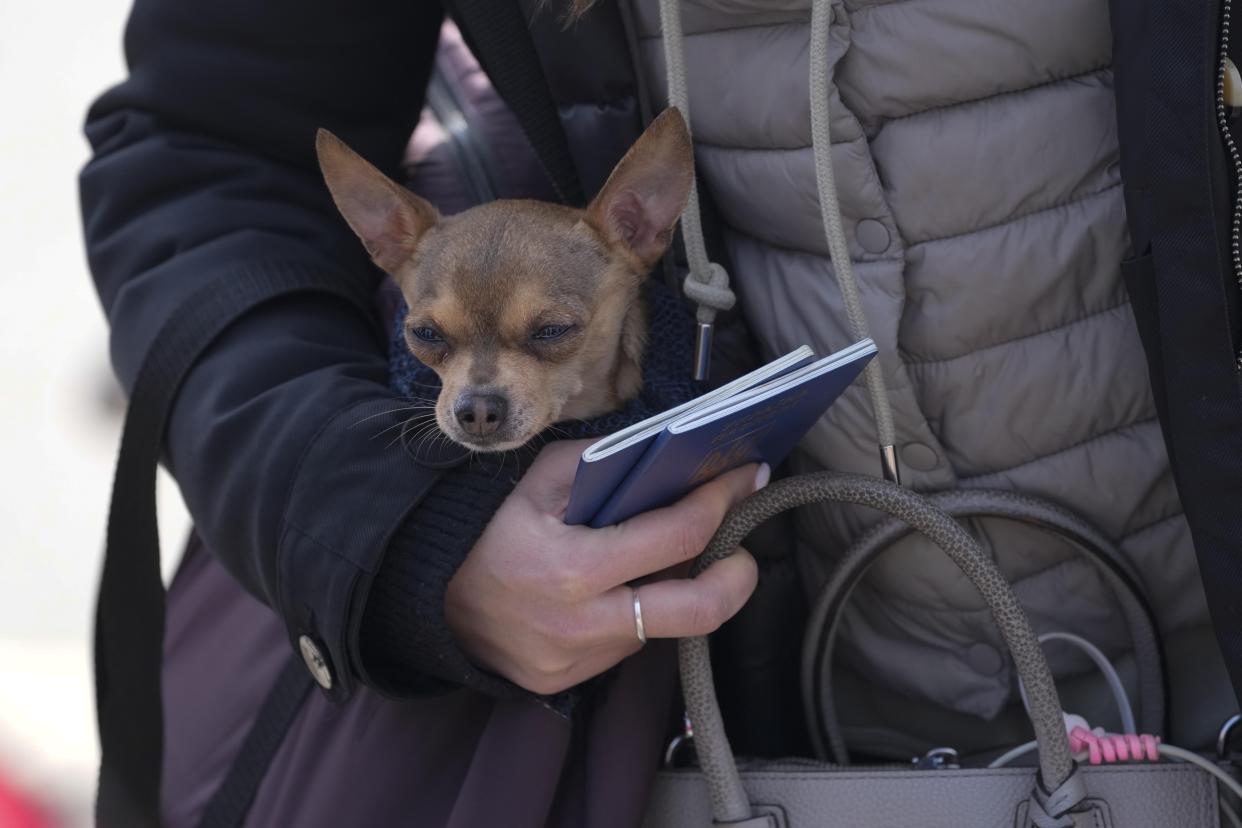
(204, 171)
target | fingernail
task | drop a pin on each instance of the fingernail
(762, 476)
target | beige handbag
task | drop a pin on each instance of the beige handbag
(781, 794)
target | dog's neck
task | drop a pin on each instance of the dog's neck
(622, 365)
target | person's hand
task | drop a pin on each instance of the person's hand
(548, 606)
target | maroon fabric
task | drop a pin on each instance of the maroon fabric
(430, 165)
(458, 760)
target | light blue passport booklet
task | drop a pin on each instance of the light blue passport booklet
(758, 417)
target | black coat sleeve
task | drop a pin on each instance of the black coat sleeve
(204, 169)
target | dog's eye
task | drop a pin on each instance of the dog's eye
(426, 334)
(552, 332)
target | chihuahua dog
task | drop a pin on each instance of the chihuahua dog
(530, 313)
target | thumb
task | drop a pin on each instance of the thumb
(551, 477)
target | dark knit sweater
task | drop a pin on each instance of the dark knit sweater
(404, 636)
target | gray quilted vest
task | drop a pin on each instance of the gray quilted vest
(975, 153)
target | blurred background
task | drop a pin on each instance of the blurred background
(60, 410)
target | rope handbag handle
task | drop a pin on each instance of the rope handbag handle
(730, 803)
(825, 617)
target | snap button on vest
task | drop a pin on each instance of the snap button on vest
(919, 457)
(315, 662)
(872, 235)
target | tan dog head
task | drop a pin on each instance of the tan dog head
(529, 312)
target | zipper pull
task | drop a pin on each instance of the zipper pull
(703, 351)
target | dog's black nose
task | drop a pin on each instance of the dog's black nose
(480, 414)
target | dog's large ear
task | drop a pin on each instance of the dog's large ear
(639, 204)
(387, 217)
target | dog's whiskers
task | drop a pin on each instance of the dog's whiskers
(429, 429)
(416, 407)
(406, 423)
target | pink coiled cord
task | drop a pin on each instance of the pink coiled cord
(1106, 748)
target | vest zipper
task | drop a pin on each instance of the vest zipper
(1235, 157)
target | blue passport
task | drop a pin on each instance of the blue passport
(758, 417)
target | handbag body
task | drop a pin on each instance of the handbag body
(784, 795)
(780, 793)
